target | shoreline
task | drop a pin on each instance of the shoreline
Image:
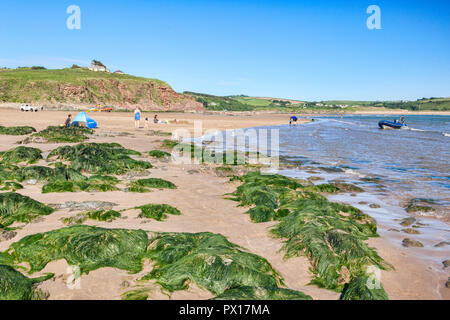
(299, 112)
(200, 198)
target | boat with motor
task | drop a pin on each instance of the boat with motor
(384, 124)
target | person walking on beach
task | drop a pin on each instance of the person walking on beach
(293, 121)
(155, 119)
(137, 118)
(68, 121)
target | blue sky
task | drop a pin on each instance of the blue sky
(309, 50)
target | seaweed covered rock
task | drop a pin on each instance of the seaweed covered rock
(337, 187)
(260, 293)
(63, 179)
(330, 234)
(76, 186)
(144, 185)
(90, 248)
(158, 212)
(20, 155)
(100, 158)
(420, 206)
(65, 134)
(363, 287)
(7, 172)
(15, 286)
(16, 131)
(15, 207)
(208, 260)
(98, 215)
(412, 243)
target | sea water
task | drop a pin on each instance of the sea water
(393, 166)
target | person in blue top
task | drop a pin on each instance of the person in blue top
(137, 118)
(293, 121)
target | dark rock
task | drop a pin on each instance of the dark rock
(446, 263)
(411, 243)
(7, 235)
(408, 221)
(375, 206)
(442, 244)
(394, 230)
(411, 231)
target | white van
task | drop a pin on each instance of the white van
(28, 107)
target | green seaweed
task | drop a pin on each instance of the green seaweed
(15, 286)
(63, 179)
(38, 173)
(260, 293)
(144, 185)
(11, 186)
(18, 208)
(208, 260)
(158, 212)
(87, 247)
(331, 235)
(326, 187)
(159, 154)
(7, 172)
(137, 294)
(98, 215)
(103, 215)
(359, 288)
(65, 134)
(60, 186)
(100, 158)
(20, 154)
(16, 131)
(169, 144)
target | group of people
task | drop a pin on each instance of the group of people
(137, 119)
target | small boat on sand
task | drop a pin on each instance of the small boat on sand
(384, 124)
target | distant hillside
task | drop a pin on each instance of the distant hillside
(242, 103)
(82, 86)
(424, 104)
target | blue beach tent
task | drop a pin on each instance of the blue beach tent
(83, 120)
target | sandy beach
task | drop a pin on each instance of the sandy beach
(200, 198)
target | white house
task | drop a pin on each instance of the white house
(98, 68)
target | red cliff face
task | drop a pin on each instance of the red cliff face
(124, 95)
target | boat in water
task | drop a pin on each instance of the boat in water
(384, 124)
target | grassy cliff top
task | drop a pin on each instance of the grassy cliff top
(70, 76)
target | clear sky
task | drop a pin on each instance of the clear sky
(309, 50)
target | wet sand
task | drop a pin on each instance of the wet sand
(200, 198)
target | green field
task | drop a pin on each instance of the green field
(242, 103)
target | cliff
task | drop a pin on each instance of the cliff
(87, 88)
